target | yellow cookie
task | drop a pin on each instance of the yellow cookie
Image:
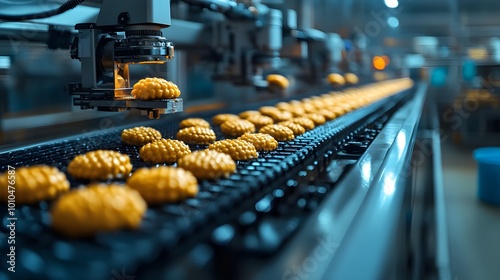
(260, 120)
(309, 108)
(346, 106)
(284, 106)
(351, 78)
(196, 135)
(267, 110)
(98, 208)
(235, 128)
(141, 135)
(100, 165)
(164, 150)
(327, 114)
(277, 81)
(336, 79)
(194, 122)
(33, 184)
(296, 110)
(278, 132)
(306, 123)
(316, 118)
(296, 128)
(280, 116)
(237, 149)
(163, 184)
(221, 118)
(208, 164)
(249, 113)
(261, 141)
(317, 102)
(155, 88)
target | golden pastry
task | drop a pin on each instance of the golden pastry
(261, 141)
(306, 123)
(196, 135)
(33, 184)
(164, 151)
(295, 127)
(280, 116)
(266, 110)
(278, 132)
(284, 106)
(221, 118)
(163, 184)
(249, 113)
(339, 111)
(327, 114)
(237, 149)
(100, 165)
(351, 78)
(141, 135)
(194, 122)
(336, 79)
(155, 88)
(208, 164)
(97, 208)
(309, 108)
(316, 118)
(276, 80)
(296, 110)
(235, 128)
(260, 120)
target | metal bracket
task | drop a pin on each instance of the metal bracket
(118, 100)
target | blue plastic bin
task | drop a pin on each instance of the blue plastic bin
(488, 187)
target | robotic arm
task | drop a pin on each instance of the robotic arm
(126, 32)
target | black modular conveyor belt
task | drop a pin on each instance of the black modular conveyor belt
(261, 191)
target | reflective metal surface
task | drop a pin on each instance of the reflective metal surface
(352, 234)
(362, 255)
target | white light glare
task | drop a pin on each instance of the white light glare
(391, 3)
(393, 22)
(5, 62)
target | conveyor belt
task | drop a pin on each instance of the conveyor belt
(271, 191)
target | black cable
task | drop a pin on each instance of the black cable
(63, 8)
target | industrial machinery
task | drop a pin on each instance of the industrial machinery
(105, 55)
(311, 200)
(244, 46)
(253, 41)
(249, 45)
(317, 53)
(336, 202)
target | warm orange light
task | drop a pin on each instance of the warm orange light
(386, 59)
(378, 63)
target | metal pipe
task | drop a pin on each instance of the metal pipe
(14, 35)
(229, 8)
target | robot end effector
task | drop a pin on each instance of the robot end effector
(247, 45)
(126, 32)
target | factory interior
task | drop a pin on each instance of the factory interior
(250, 139)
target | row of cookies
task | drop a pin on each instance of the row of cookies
(146, 186)
(99, 207)
(168, 184)
(286, 120)
(125, 205)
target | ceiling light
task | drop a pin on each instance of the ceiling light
(391, 3)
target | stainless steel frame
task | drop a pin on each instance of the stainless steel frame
(359, 232)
